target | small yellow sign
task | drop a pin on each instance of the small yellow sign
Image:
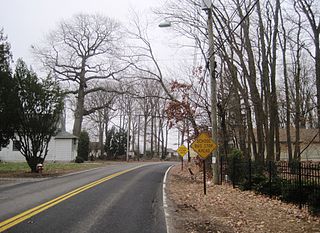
(182, 150)
(204, 145)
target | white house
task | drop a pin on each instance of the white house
(62, 147)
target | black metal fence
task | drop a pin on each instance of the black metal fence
(297, 182)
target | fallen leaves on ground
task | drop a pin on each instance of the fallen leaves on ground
(225, 209)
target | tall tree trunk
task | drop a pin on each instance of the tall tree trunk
(287, 94)
(138, 143)
(307, 8)
(101, 131)
(106, 125)
(274, 117)
(297, 92)
(255, 96)
(297, 114)
(133, 140)
(159, 135)
(269, 132)
(155, 135)
(151, 137)
(240, 123)
(163, 153)
(166, 144)
(145, 135)
(317, 64)
(78, 114)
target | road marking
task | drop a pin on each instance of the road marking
(164, 197)
(32, 212)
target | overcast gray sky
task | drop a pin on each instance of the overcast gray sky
(25, 22)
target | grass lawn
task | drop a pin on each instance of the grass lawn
(21, 169)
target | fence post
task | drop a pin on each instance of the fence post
(300, 186)
(270, 176)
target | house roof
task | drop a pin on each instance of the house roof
(306, 135)
(64, 135)
(170, 150)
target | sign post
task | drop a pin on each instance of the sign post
(182, 150)
(204, 146)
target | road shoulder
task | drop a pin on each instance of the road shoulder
(225, 209)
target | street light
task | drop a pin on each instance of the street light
(207, 6)
(213, 86)
(165, 24)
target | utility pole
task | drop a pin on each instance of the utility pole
(211, 64)
(213, 87)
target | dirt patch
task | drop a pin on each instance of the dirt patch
(225, 209)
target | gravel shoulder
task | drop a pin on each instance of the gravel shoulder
(225, 209)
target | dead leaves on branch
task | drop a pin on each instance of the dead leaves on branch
(179, 109)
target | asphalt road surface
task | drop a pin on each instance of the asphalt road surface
(109, 199)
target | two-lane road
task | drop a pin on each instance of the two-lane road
(110, 199)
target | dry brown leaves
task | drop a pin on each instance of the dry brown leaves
(225, 209)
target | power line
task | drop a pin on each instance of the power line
(238, 25)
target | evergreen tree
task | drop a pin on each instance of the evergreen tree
(8, 104)
(83, 145)
(40, 103)
(116, 142)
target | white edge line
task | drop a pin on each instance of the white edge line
(164, 197)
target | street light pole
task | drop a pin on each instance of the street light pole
(213, 87)
(211, 64)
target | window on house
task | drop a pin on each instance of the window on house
(16, 145)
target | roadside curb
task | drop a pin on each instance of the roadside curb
(165, 201)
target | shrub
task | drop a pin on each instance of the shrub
(292, 193)
(256, 181)
(236, 168)
(314, 203)
(79, 159)
(83, 146)
(274, 188)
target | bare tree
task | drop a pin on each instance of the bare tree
(284, 45)
(310, 8)
(103, 102)
(81, 51)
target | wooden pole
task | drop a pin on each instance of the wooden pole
(204, 177)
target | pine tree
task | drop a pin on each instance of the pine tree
(40, 103)
(8, 104)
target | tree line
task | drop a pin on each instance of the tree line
(267, 69)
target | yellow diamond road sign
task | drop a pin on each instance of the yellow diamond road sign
(182, 150)
(204, 145)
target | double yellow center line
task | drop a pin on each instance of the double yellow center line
(32, 212)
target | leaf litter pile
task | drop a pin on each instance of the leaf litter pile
(225, 209)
